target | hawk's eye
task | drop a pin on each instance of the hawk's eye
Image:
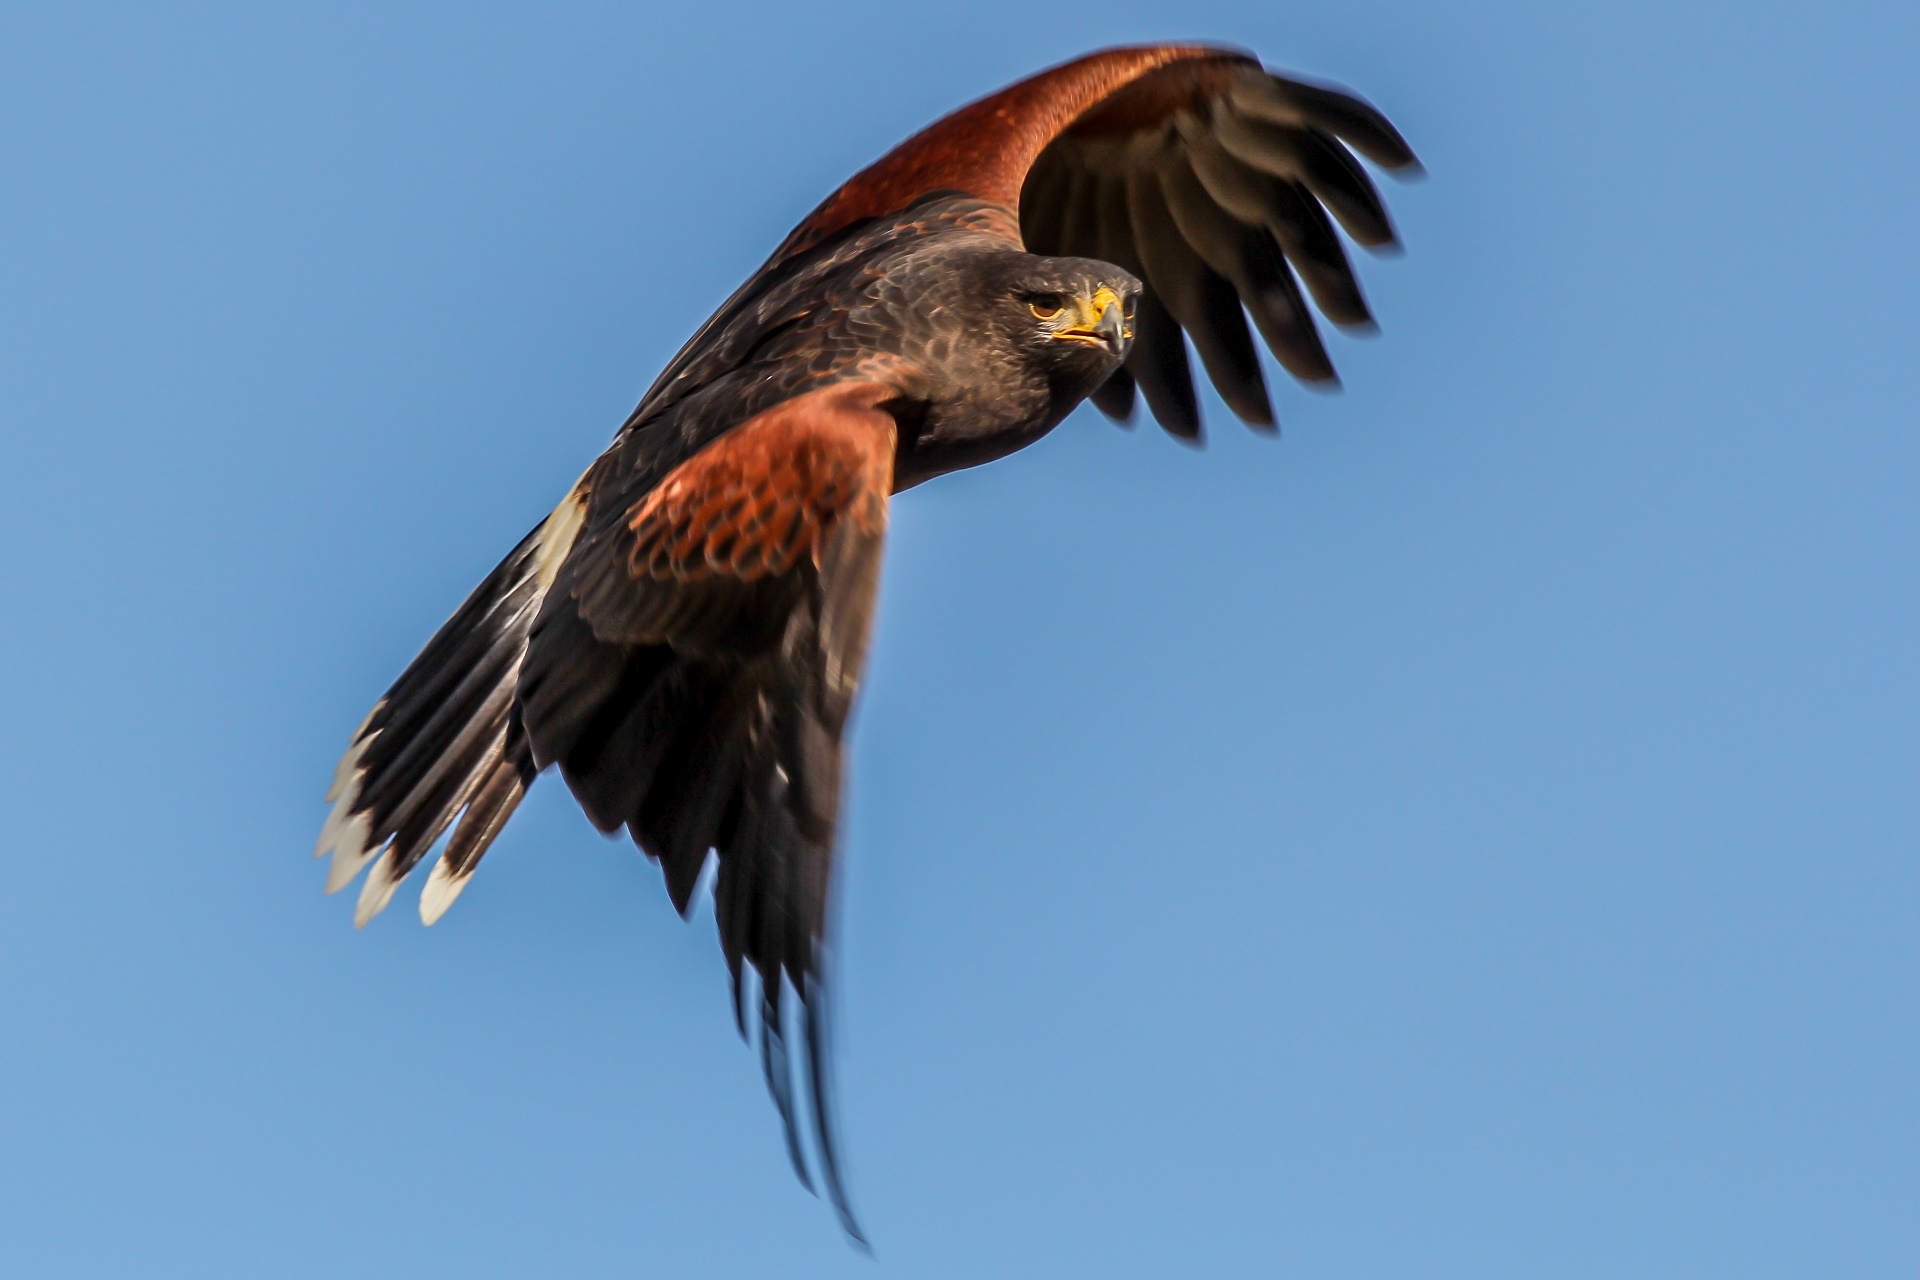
(1045, 306)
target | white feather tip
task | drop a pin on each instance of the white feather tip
(377, 891)
(442, 888)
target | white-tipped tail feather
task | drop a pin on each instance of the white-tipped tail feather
(347, 773)
(378, 889)
(443, 886)
(443, 748)
(346, 833)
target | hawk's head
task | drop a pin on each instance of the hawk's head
(1010, 343)
(1070, 319)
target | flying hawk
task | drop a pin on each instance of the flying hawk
(683, 636)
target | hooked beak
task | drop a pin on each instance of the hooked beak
(1103, 322)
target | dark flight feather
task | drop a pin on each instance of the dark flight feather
(1159, 365)
(1204, 303)
(1115, 396)
(1247, 256)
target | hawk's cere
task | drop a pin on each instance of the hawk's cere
(683, 636)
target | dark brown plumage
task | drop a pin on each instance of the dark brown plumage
(683, 636)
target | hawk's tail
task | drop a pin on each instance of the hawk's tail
(445, 742)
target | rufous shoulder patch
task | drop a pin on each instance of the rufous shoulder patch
(771, 490)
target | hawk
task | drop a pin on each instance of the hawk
(683, 636)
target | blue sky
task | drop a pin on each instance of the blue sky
(1472, 836)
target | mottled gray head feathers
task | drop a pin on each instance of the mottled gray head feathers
(1072, 314)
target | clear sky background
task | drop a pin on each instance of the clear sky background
(1473, 836)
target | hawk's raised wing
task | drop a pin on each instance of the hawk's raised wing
(1194, 168)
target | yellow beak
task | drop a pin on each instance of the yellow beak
(1102, 321)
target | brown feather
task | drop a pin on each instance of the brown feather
(770, 491)
(986, 147)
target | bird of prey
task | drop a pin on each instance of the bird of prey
(683, 636)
